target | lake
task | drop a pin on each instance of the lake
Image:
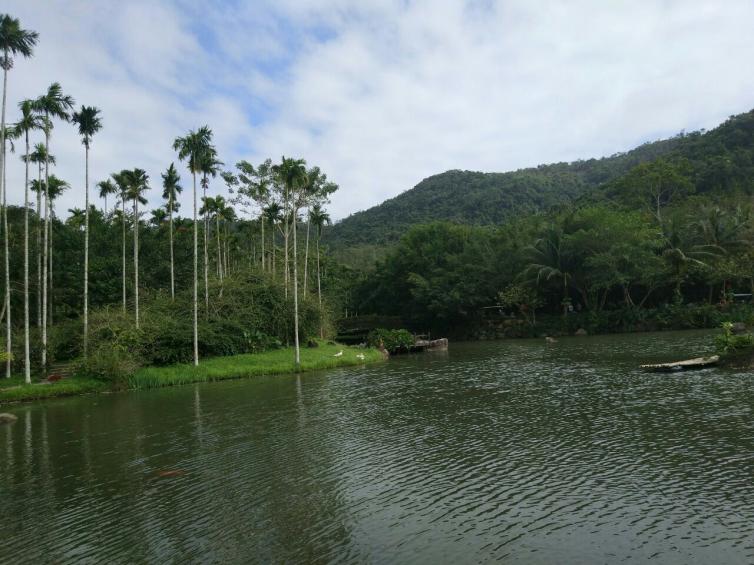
(509, 451)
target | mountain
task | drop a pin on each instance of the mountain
(721, 158)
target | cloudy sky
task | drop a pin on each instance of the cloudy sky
(381, 93)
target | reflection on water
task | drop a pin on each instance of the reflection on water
(515, 451)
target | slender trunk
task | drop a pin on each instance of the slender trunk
(306, 255)
(123, 246)
(39, 246)
(44, 243)
(286, 272)
(86, 254)
(3, 190)
(50, 293)
(27, 352)
(196, 281)
(206, 250)
(261, 219)
(295, 297)
(319, 293)
(136, 259)
(219, 251)
(172, 265)
(105, 205)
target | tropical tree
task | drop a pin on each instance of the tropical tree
(210, 166)
(106, 188)
(318, 217)
(137, 182)
(14, 41)
(28, 122)
(292, 173)
(39, 156)
(52, 104)
(550, 259)
(121, 181)
(171, 190)
(89, 123)
(158, 217)
(55, 188)
(192, 148)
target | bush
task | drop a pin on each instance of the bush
(728, 343)
(110, 364)
(395, 341)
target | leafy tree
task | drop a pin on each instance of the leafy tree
(171, 189)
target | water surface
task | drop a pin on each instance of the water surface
(512, 451)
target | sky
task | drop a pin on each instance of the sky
(379, 93)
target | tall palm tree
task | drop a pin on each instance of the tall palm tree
(272, 213)
(52, 104)
(192, 148)
(55, 188)
(28, 122)
(14, 41)
(292, 173)
(210, 166)
(121, 181)
(319, 218)
(89, 123)
(171, 190)
(106, 188)
(158, 217)
(138, 182)
(39, 156)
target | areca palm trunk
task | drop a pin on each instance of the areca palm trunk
(172, 267)
(45, 240)
(49, 289)
(206, 250)
(27, 355)
(306, 255)
(219, 250)
(8, 342)
(136, 259)
(123, 241)
(295, 297)
(319, 291)
(261, 219)
(39, 246)
(196, 281)
(86, 254)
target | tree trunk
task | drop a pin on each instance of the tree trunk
(219, 250)
(123, 245)
(136, 259)
(261, 219)
(39, 247)
(44, 242)
(295, 298)
(3, 190)
(319, 291)
(49, 269)
(27, 352)
(172, 264)
(306, 255)
(86, 254)
(196, 281)
(206, 251)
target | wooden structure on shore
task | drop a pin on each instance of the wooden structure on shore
(687, 365)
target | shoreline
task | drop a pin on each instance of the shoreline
(248, 365)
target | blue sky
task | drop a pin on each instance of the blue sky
(382, 93)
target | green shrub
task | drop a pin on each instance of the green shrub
(109, 364)
(728, 343)
(395, 341)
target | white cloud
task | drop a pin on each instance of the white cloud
(382, 94)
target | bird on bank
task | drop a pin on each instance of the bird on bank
(339, 354)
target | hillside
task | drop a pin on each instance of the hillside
(722, 158)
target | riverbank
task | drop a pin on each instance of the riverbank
(273, 362)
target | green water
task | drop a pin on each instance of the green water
(515, 452)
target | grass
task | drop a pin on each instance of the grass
(275, 362)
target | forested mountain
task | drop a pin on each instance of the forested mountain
(722, 158)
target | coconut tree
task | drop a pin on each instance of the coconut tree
(29, 121)
(55, 187)
(52, 104)
(192, 148)
(121, 181)
(137, 182)
(14, 41)
(319, 218)
(88, 121)
(292, 173)
(170, 191)
(39, 156)
(106, 188)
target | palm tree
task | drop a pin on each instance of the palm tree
(550, 259)
(52, 104)
(39, 156)
(210, 166)
(292, 173)
(14, 41)
(10, 135)
(158, 217)
(319, 218)
(76, 219)
(171, 190)
(193, 148)
(121, 181)
(138, 182)
(55, 188)
(106, 187)
(29, 121)
(680, 253)
(89, 123)
(273, 213)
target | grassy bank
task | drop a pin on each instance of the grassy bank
(274, 362)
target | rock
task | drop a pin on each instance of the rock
(738, 328)
(581, 332)
(312, 344)
(7, 418)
